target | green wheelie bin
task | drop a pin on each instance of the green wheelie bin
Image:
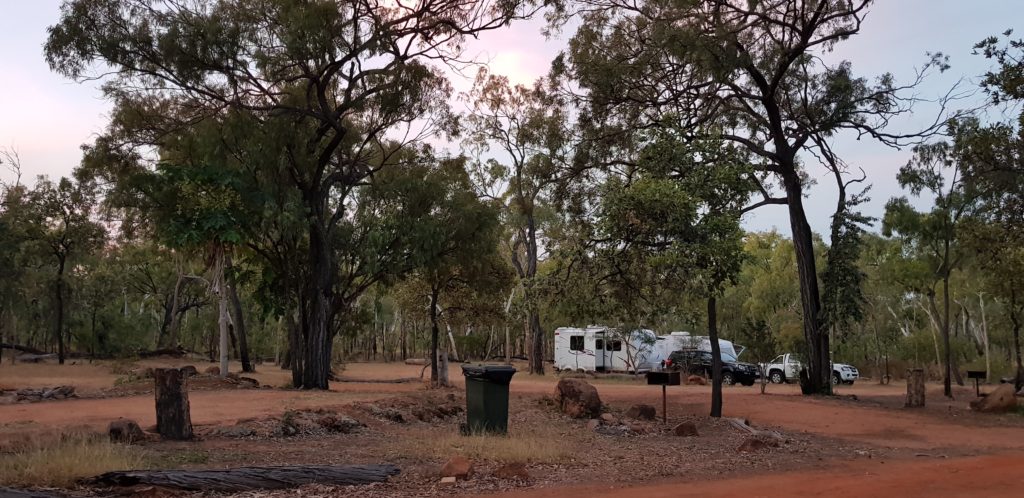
(487, 398)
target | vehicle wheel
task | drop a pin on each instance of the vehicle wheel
(776, 377)
(835, 379)
(728, 379)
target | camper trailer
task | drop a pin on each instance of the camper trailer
(604, 349)
(665, 344)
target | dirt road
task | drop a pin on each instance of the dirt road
(993, 476)
(985, 452)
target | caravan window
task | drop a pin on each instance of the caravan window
(599, 344)
(576, 343)
(615, 346)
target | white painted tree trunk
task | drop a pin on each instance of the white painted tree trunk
(222, 309)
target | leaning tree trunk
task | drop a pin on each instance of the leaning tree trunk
(818, 378)
(716, 359)
(173, 418)
(239, 320)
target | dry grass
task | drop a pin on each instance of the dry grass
(535, 445)
(62, 462)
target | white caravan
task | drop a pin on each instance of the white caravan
(665, 344)
(604, 349)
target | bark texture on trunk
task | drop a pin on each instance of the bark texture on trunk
(316, 337)
(59, 290)
(173, 416)
(915, 388)
(819, 371)
(947, 379)
(249, 478)
(238, 318)
(716, 359)
(435, 332)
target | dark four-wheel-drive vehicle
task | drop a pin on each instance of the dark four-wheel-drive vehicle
(697, 362)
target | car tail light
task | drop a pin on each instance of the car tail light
(668, 363)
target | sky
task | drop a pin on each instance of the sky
(47, 118)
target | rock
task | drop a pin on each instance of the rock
(612, 430)
(458, 467)
(190, 370)
(696, 380)
(448, 480)
(609, 419)
(126, 431)
(752, 444)
(248, 381)
(637, 428)
(387, 413)
(685, 429)
(512, 471)
(212, 370)
(1001, 399)
(593, 424)
(339, 423)
(641, 412)
(236, 431)
(577, 399)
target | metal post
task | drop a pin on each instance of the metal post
(664, 404)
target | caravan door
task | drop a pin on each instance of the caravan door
(601, 359)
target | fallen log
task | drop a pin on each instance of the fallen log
(403, 380)
(248, 478)
(177, 352)
(19, 347)
(744, 425)
(21, 493)
(34, 358)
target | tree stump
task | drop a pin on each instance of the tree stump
(173, 420)
(915, 388)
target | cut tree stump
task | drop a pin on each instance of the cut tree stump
(249, 478)
(915, 388)
(173, 420)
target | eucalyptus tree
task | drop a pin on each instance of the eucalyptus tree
(65, 231)
(465, 259)
(340, 76)
(935, 235)
(670, 228)
(525, 128)
(750, 73)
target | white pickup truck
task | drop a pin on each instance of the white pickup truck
(786, 368)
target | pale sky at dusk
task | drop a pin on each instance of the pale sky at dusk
(46, 117)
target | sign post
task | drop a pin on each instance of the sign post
(663, 379)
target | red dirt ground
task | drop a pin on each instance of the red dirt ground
(959, 453)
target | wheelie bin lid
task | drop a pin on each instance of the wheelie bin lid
(498, 374)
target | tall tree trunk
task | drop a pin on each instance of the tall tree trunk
(537, 344)
(819, 372)
(222, 309)
(984, 336)
(172, 318)
(435, 332)
(59, 292)
(239, 320)
(947, 386)
(716, 359)
(316, 351)
(1015, 320)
